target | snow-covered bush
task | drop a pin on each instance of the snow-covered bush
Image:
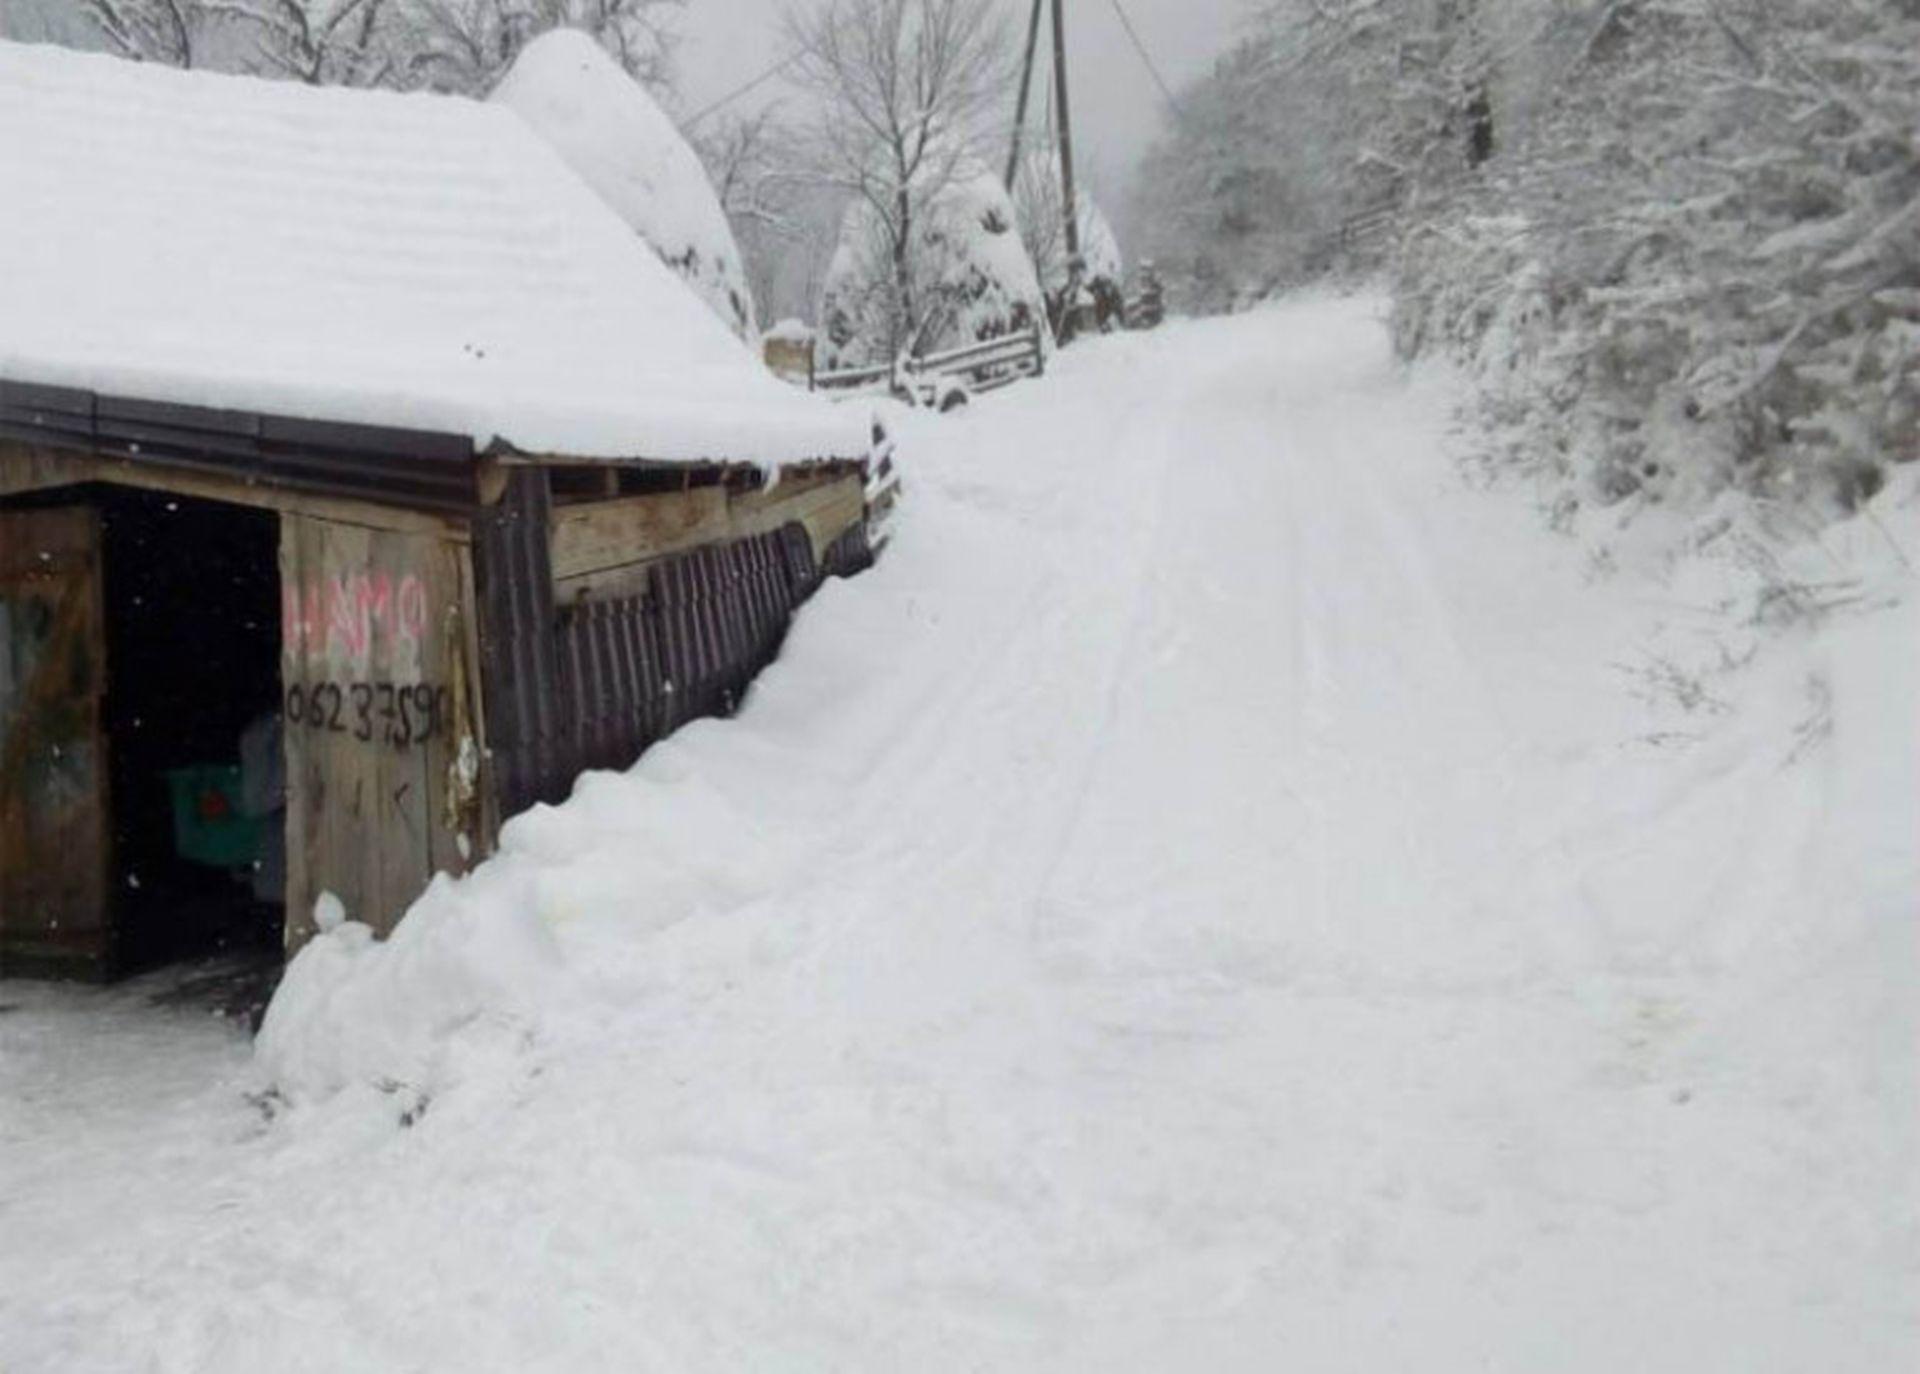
(928, 250)
(622, 144)
(968, 275)
(1701, 268)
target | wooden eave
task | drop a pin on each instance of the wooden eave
(416, 469)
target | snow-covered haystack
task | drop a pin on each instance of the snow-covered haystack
(622, 144)
(971, 277)
(1037, 199)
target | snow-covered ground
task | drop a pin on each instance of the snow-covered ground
(1210, 899)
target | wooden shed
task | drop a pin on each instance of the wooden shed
(348, 432)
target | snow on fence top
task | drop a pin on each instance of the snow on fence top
(410, 260)
(622, 144)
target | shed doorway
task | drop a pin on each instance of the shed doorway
(196, 789)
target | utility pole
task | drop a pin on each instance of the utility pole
(1026, 85)
(1068, 208)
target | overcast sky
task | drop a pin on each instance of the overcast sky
(1116, 107)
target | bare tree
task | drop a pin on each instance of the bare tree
(450, 45)
(773, 200)
(903, 87)
(755, 168)
(336, 44)
(153, 30)
(466, 45)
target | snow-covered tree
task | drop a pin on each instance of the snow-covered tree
(169, 31)
(623, 145)
(784, 218)
(970, 278)
(466, 45)
(1698, 264)
(1679, 239)
(447, 45)
(1326, 112)
(902, 87)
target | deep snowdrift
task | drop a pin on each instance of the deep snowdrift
(1168, 915)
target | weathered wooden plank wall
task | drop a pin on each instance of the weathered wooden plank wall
(381, 715)
(54, 913)
(601, 550)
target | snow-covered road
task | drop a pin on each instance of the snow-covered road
(1207, 900)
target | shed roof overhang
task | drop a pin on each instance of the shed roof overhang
(418, 469)
(412, 468)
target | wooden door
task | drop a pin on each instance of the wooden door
(381, 728)
(53, 767)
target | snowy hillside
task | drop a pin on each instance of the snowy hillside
(610, 131)
(1283, 911)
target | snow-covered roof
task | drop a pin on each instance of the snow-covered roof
(790, 330)
(622, 144)
(410, 260)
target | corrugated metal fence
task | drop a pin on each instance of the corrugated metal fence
(629, 670)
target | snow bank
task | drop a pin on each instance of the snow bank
(354, 1013)
(411, 260)
(610, 131)
(480, 968)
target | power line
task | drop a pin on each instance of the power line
(739, 91)
(1141, 48)
(1133, 36)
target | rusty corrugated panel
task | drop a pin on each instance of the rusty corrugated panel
(849, 554)
(755, 599)
(519, 648)
(718, 646)
(803, 575)
(670, 581)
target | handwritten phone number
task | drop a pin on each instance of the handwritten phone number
(400, 715)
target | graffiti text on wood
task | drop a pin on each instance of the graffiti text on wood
(357, 620)
(399, 715)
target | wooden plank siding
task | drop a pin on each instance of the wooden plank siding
(54, 911)
(603, 549)
(25, 469)
(383, 735)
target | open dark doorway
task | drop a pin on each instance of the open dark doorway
(192, 593)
